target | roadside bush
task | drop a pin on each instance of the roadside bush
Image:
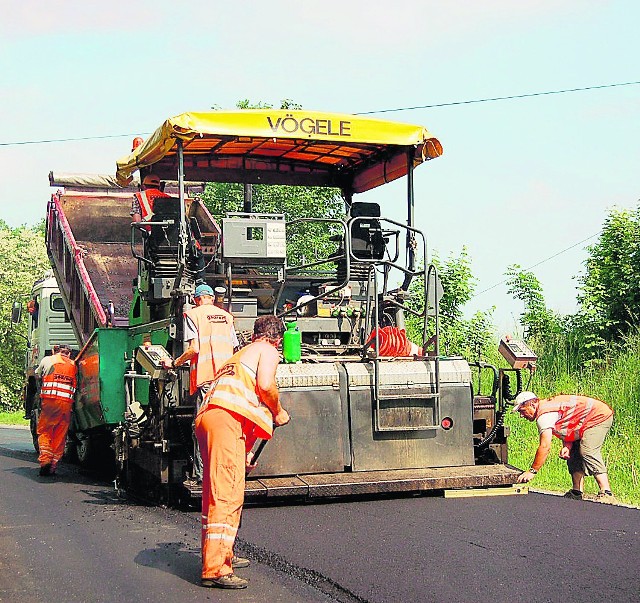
(23, 259)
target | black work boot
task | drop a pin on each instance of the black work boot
(573, 495)
(45, 469)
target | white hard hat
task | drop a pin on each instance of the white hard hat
(522, 398)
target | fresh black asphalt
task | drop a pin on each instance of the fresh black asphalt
(72, 539)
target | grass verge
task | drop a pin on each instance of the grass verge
(12, 418)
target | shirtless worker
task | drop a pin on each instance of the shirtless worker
(242, 406)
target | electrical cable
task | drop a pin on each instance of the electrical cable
(499, 98)
(448, 104)
(555, 255)
(22, 142)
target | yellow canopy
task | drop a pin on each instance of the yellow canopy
(272, 146)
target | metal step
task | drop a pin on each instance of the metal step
(373, 482)
(417, 396)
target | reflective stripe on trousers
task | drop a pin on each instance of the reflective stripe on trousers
(53, 425)
(222, 440)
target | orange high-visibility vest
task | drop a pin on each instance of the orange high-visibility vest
(236, 390)
(146, 199)
(577, 414)
(213, 346)
(60, 383)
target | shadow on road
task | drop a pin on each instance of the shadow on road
(174, 558)
(29, 455)
(65, 473)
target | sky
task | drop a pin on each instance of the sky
(525, 181)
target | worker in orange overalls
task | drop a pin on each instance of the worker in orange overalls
(142, 210)
(56, 398)
(142, 203)
(242, 406)
(582, 423)
(211, 340)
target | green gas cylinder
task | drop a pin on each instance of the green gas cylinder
(291, 343)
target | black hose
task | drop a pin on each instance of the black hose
(506, 386)
(500, 415)
(494, 430)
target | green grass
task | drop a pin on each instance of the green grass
(12, 418)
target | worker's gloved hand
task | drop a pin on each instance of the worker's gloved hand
(282, 418)
(249, 465)
(167, 363)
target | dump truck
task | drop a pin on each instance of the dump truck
(372, 411)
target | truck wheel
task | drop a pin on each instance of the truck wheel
(33, 426)
(94, 453)
(70, 454)
(85, 451)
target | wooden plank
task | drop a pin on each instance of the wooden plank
(495, 491)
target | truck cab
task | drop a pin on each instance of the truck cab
(49, 325)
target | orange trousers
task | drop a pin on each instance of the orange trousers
(222, 437)
(53, 425)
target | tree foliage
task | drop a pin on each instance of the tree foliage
(609, 299)
(538, 321)
(470, 337)
(305, 243)
(23, 260)
(610, 296)
(285, 103)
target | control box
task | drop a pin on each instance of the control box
(149, 356)
(260, 238)
(517, 353)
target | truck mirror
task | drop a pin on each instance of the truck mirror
(16, 312)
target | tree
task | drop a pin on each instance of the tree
(458, 336)
(536, 319)
(610, 296)
(559, 341)
(23, 260)
(285, 103)
(304, 244)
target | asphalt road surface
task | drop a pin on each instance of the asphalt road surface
(71, 539)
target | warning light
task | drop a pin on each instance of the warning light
(137, 141)
(446, 423)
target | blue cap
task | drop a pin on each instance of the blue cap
(203, 290)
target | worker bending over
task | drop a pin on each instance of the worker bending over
(582, 424)
(243, 405)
